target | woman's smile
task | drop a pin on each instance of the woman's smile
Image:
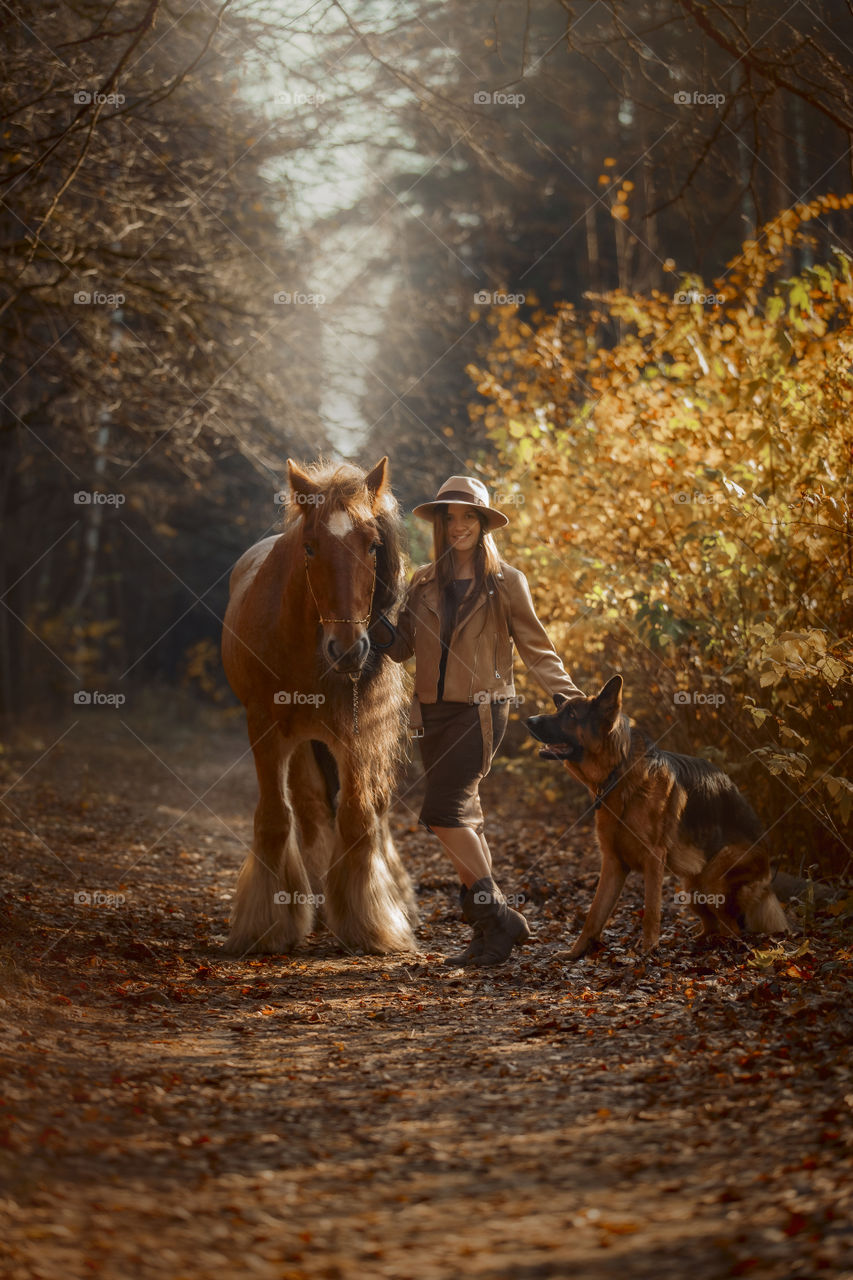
(463, 527)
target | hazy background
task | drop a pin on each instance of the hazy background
(168, 170)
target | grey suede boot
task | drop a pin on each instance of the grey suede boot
(472, 953)
(503, 928)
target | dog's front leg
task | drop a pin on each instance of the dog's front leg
(610, 885)
(655, 865)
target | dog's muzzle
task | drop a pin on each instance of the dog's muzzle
(543, 729)
(562, 751)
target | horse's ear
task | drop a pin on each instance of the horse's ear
(300, 483)
(376, 481)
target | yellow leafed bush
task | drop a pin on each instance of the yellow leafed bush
(679, 469)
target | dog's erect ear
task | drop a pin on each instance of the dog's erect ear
(559, 699)
(609, 701)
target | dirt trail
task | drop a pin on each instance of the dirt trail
(167, 1112)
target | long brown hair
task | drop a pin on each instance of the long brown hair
(487, 563)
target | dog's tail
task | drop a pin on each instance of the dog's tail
(741, 873)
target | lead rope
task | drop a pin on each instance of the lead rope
(354, 676)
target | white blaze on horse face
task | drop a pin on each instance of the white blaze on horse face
(339, 524)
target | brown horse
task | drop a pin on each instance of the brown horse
(301, 646)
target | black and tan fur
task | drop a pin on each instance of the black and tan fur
(658, 811)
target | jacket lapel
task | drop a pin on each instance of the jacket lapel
(430, 596)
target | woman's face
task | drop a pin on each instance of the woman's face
(463, 527)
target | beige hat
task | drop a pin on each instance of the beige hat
(469, 493)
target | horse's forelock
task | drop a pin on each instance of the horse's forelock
(342, 488)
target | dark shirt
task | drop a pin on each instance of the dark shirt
(460, 586)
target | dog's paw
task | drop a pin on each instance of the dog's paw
(578, 951)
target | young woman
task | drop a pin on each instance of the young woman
(460, 617)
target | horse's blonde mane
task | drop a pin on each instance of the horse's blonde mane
(342, 485)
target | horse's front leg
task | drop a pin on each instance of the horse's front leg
(273, 906)
(364, 907)
(399, 874)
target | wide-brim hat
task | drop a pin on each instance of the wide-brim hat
(468, 492)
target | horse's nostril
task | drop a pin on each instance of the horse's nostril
(347, 656)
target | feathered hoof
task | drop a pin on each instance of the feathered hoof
(412, 915)
(268, 937)
(240, 944)
(379, 943)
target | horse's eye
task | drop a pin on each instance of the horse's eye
(374, 547)
(309, 550)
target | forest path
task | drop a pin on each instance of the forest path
(168, 1112)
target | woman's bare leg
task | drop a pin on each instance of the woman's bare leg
(468, 852)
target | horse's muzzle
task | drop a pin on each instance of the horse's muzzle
(347, 659)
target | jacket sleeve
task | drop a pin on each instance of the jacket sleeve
(531, 639)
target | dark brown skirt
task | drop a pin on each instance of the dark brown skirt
(453, 757)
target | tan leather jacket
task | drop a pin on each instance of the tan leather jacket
(480, 658)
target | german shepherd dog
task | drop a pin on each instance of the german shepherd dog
(657, 810)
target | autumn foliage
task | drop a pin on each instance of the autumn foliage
(680, 469)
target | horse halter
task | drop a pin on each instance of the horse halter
(358, 622)
(354, 676)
